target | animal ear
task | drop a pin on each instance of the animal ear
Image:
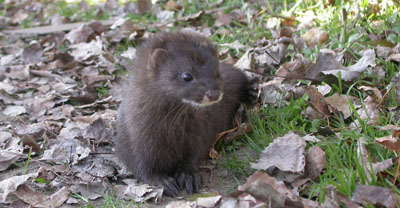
(158, 56)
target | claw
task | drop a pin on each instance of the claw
(190, 181)
(169, 184)
(189, 184)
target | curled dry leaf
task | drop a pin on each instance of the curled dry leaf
(342, 103)
(32, 54)
(377, 196)
(315, 162)
(390, 142)
(332, 199)
(14, 110)
(84, 51)
(317, 102)
(326, 65)
(264, 57)
(376, 94)
(7, 158)
(37, 199)
(274, 193)
(289, 21)
(222, 18)
(90, 191)
(79, 34)
(172, 5)
(285, 153)
(391, 127)
(315, 36)
(369, 113)
(138, 193)
(11, 184)
(364, 159)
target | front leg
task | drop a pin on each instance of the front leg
(188, 177)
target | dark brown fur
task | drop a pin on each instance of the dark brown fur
(160, 138)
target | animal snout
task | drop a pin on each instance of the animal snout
(213, 95)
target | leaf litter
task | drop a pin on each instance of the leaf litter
(59, 96)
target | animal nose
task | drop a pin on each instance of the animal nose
(213, 95)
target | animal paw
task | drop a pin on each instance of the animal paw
(190, 181)
(169, 184)
(253, 90)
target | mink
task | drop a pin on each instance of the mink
(177, 99)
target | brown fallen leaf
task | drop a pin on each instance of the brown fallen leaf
(171, 5)
(315, 36)
(30, 141)
(364, 157)
(341, 103)
(32, 54)
(138, 192)
(332, 199)
(377, 196)
(79, 34)
(317, 101)
(289, 21)
(394, 57)
(274, 193)
(327, 68)
(36, 199)
(9, 185)
(390, 142)
(370, 111)
(315, 162)
(7, 158)
(222, 18)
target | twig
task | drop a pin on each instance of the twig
(383, 98)
(344, 23)
(397, 170)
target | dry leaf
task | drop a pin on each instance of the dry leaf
(326, 65)
(315, 162)
(315, 36)
(138, 193)
(208, 202)
(7, 158)
(285, 153)
(32, 54)
(14, 110)
(37, 199)
(377, 196)
(389, 142)
(394, 57)
(11, 184)
(364, 159)
(317, 102)
(79, 34)
(172, 5)
(341, 103)
(289, 21)
(274, 193)
(223, 18)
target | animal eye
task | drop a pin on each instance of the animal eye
(187, 77)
